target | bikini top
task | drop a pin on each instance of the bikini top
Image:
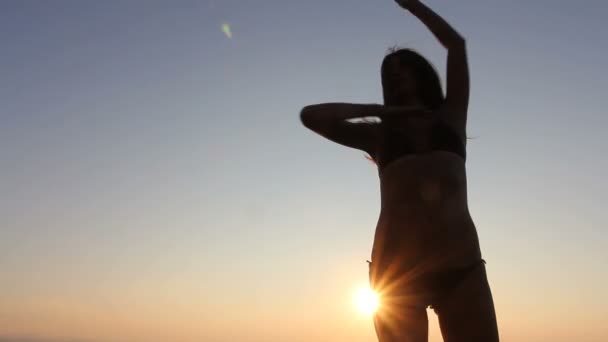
(405, 136)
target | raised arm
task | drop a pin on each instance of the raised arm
(457, 88)
(447, 36)
(330, 120)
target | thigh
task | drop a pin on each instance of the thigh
(401, 324)
(401, 315)
(466, 313)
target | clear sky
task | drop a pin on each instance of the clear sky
(156, 183)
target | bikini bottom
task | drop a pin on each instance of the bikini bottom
(424, 289)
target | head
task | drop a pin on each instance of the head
(409, 79)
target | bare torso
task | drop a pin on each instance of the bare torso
(424, 214)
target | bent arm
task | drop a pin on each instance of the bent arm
(324, 113)
(444, 32)
(457, 81)
(330, 121)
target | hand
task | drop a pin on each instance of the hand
(407, 4)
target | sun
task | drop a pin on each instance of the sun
(367, 301)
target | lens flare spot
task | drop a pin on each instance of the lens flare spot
(367, 301)
(227, 30)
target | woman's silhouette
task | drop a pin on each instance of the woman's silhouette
(426, 250)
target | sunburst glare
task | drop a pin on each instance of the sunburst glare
(366, 300)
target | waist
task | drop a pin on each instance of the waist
(436, 239)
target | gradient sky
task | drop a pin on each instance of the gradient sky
(156, 183)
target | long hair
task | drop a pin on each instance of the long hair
(428, 84)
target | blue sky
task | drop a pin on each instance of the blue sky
(150, 164)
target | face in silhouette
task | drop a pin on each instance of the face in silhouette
(400, 84)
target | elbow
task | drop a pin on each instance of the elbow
(307, 117)
(457, 42)
(312, 118)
